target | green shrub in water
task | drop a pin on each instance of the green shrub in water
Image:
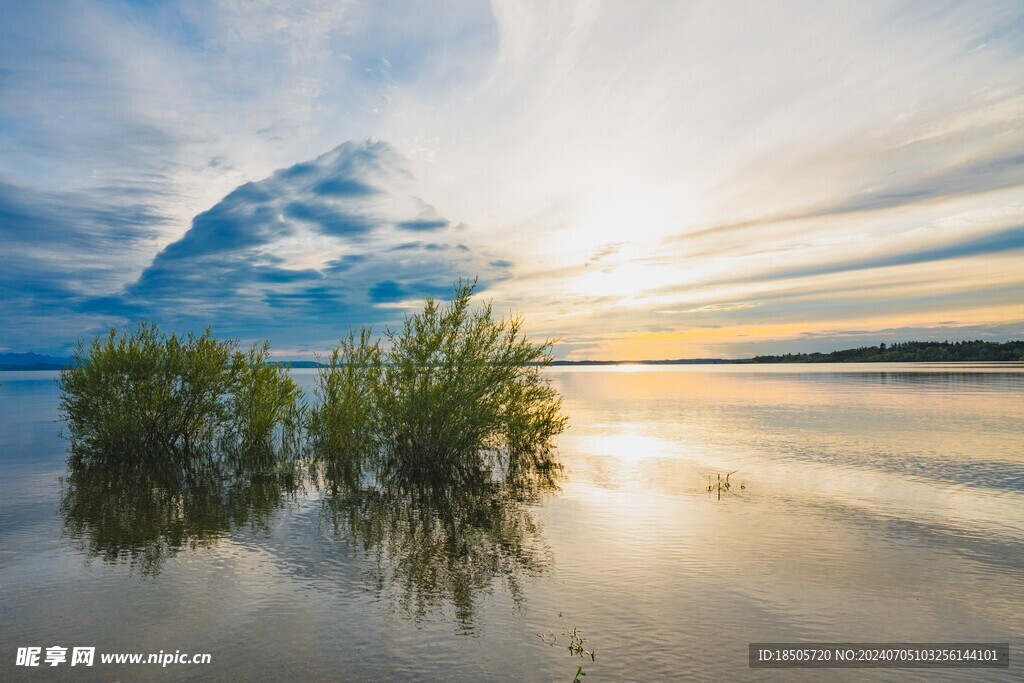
(346, 418)
(456, 392)
(142, 390)
(459, 384)
(263, 400)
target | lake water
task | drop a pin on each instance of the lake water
(878, 502)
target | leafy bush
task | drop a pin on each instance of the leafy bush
(459, 386)
(263, 398)
(144, 391)
(346, 420)
(457, 393)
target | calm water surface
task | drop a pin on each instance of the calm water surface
(878, 502)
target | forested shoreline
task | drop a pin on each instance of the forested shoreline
(909, 352)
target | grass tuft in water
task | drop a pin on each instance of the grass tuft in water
(723, 485)
(575, 646)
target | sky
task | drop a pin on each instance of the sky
(640, 180)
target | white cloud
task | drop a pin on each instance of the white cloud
(714, 140)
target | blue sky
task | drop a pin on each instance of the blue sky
(641, 180)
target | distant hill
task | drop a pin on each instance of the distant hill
(31, 361)
(911, 352)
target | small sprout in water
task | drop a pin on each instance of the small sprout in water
(722, 484)
(575, 647)
(576, 641)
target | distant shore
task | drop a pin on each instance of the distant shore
(905, 352)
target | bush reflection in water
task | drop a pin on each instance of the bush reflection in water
(433, 541)
(144, 510)
(428, 541)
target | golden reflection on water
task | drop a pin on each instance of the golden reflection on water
(909, 445)
(874, 502)
(912, 425)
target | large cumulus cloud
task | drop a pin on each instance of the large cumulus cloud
(307, 252)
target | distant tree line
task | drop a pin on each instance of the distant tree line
(913, 351)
